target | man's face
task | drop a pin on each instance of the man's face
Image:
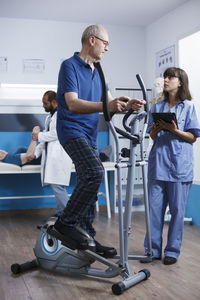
(101, 43)
(46, 104)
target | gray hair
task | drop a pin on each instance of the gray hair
(90, 30)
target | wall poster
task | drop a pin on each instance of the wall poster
(33, 65)
(165, 59)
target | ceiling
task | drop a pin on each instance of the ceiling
(115, 12)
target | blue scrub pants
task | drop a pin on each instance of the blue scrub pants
(61, 197)
(161, 194)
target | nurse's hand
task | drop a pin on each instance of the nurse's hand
(168, 126)
(185, 135)
(155, 129)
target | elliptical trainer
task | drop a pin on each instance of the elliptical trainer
(55, 255)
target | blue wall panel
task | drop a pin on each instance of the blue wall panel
(17, 185)
(11, 140)
(193, 204)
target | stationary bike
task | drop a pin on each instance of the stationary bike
(56, 255)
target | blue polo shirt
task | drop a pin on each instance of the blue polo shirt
(171, 157)
(76, 75)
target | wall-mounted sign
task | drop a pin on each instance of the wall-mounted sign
(165, 59)
(33, 65)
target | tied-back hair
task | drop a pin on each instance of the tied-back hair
(51, 95)
(183, 91)
(90, 30)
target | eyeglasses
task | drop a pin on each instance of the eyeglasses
(106, 43)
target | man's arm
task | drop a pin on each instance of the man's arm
(134, 104)
(120, 104)
(77, 105)
(47, 136)
(185, 135)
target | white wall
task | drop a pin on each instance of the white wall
(166, 32)
(54, 41)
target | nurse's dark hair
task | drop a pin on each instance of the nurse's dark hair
(51, 95)
(183, 91)
(91, 30)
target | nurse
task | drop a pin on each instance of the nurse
(170, 169)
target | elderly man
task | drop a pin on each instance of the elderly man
(79, 103)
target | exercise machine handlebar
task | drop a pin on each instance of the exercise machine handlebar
(108, 115)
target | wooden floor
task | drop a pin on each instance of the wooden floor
(18, 233)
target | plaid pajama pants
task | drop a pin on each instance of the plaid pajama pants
(80, 209)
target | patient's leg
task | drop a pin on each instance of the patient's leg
(3, 154)
(29, 155)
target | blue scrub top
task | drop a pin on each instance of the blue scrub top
(171, 158)
(76, 76)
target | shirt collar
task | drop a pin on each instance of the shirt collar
(80, 60)
(53, 111)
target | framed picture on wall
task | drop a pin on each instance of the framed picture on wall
(164, 59)
(3, 64)
(33, 65)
